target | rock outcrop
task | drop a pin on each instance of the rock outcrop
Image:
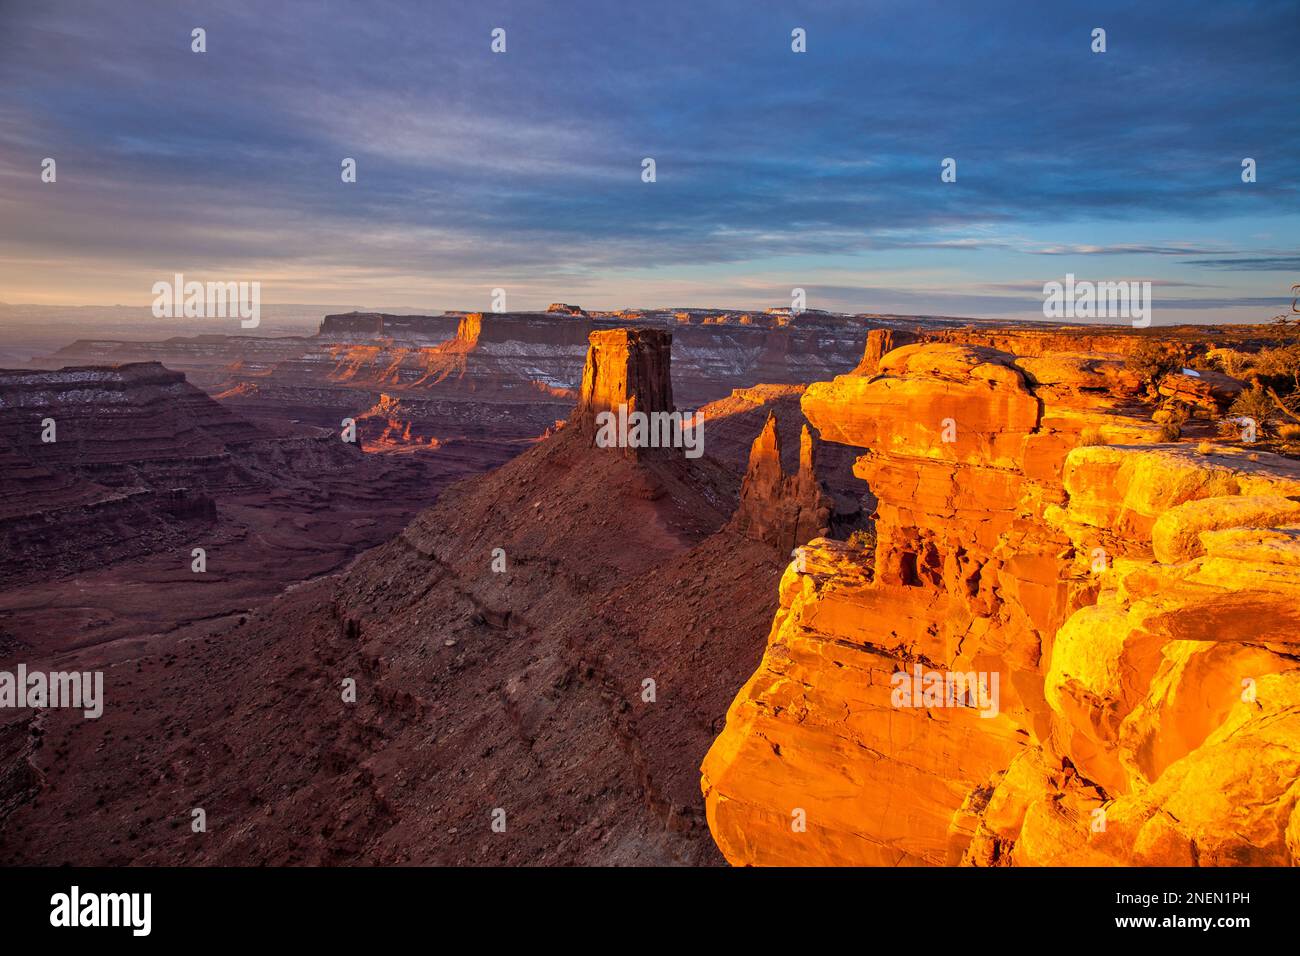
(733, 422)
(626, 367)
(627, 377)
(782, 510)
(1206, 389)
(880, 342)
(1070, 645)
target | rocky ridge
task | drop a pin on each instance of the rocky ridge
(1135, 603)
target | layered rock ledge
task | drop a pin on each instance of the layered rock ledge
(1128, 610)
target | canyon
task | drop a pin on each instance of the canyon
(99, 523)
(642, 658)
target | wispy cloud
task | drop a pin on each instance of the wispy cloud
(1287, 263)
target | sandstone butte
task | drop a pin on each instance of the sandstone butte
(1139, 602)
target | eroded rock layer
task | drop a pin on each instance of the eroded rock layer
(1118, 619)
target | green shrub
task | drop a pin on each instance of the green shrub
(1152, 361)
(1255, 403)
(864, 539)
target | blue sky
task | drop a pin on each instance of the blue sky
(522, 170)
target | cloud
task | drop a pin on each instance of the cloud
(474, 167)
(1121, 249)
(1288, 263)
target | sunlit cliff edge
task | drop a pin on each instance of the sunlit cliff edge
(1139, 603)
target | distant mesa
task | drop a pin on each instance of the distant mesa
(140, 455)
(564, 308)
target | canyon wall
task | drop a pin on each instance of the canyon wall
(102, 464)
(479, 385)
(1118, 619)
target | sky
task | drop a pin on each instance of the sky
(774, 169)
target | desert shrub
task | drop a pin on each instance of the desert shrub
(1204, 448)
(1279, 374)
(1289, 432)
(1151, 362)
(1092, 436)
(1234, 363)
(1171, 419)
(1256, 403)
(864, 539)
(1281, 365)
(1229, 429)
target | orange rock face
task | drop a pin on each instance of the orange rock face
(627, 367)
(1070, 645)
(626, 372)
(881, 342)
(1206, 389)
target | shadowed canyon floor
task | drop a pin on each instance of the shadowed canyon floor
(98, 525)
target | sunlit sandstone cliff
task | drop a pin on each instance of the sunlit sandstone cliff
(1130, 610)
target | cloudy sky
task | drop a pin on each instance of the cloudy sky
(775, 169)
